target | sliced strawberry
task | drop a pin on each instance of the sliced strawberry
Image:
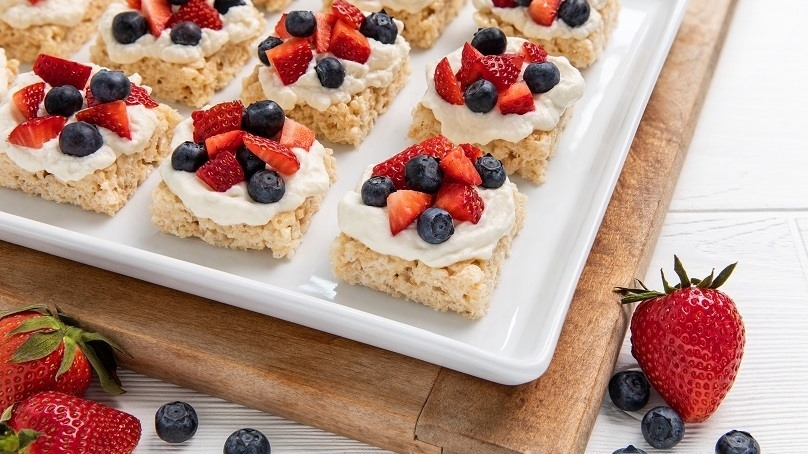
(404, 206)
(471, 151)
(393, 167)
(27, 99)
(469, 71)
(505, 3)
(278, 156)
(198, 12)
(291, 59)
(229, 141)
(134, 4)
(501, 70)
(458, 167)
(446, 85)
(533, 53)
(110, 115)
(36, 131)
(348, 13)
(543, 12)
(157, 13)
(220, 118)
(348, 43)
(222, 172)
(58, 71)
(322, 34)
(517, 99)
(296, 135)
(461, 201)
(138, 95)
(280, 28)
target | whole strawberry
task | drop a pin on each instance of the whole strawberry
(52, 422)
(39, 352)
(689, 341)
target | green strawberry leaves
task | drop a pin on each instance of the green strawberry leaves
(634, 295)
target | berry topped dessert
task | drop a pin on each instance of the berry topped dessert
(431, 224)
(424, 20)
(504, 95)
(334, 71)
(57, 27)
(186, 49)
(576, 29)
(81, 134)
(243, 178)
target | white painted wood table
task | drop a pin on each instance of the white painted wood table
(742, 196)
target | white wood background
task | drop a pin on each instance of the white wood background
(742, 196)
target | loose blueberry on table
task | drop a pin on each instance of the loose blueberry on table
(630, 449)
(176, 422)
(737, 442)
(629, 390)
(247, 441)
(662, 427)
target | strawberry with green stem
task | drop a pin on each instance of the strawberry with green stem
(689, 340)
(41, 349)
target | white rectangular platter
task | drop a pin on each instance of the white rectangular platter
(515, 341)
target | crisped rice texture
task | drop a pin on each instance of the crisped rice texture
(271, 5)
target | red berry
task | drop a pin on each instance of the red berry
(469, 72)
(471, 151)
(393, 167)
(110, 115)
(198, 12)
(58, 71)
(322, 34)
(296, 135)
(534, 53)
(543, 12)
(501, 70)
(404, 206)
(446, 85)
(290, 59)
(220, 118)
(229, 142)
(348, 43)
(348, 13)
(35, 132)
(221, 172)
(517, 99)
(458, 167)
(461, 201)
(138, 95)
(28, 98)
(157, 13)
(505, 3)
(280, 28)
(278, 156)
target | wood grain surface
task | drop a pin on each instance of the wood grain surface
(380, 397)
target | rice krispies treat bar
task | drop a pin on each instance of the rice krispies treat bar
(465, 287)
(8, 70)
(527, 158)
(282, 235)
(272, 5)
(423, 28)
(193, 85)
(347, 123)
(25, 44)
(580, 52)
(106, 190)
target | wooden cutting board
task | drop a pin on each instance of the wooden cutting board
(380, 397)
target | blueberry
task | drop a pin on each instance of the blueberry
(629, 390)
(249, 161)
(246, 441)
(178, 2)
(489, 41)
(266, 186)
(574, 12)
(64, 100)
(330, 72)
(189, 156)
(376, 189)
(422, 173)
(491, 171)
(737, 442)
(80, 139)
(662, 427)
(379, 26)
(223, 6)
(108, 86)
(176, 422)
(435, 225)
(481, 96)
(541, 77)
(263, 118)
(265, 45)
(128, 26)
(300, 24)
(523, 2)
(630, 449)
(186, 33)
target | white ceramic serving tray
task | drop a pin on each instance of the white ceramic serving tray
(515, 341)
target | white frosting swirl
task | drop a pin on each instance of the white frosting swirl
(521, 21)
(21, 14)
(459, 124)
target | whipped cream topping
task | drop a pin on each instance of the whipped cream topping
(235, 206)
(385, 61)
(411, 6)
(370, 226)
(5, 74)
(521, 21)
(459, 124)
(50, 158)
(241, 23)
(21, 14)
